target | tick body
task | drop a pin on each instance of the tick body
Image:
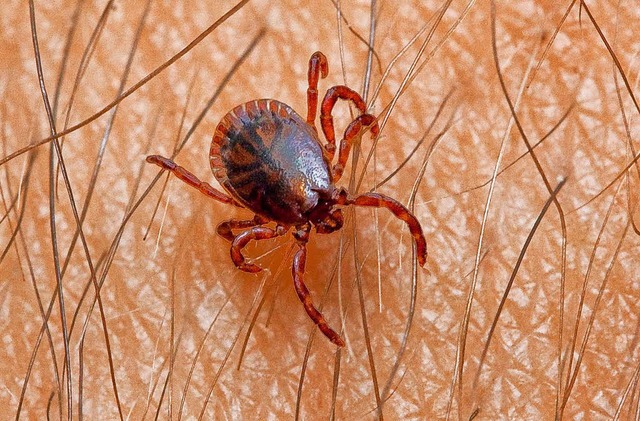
(268, 158)
(272, 162)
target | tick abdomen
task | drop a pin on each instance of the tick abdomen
(267, 156)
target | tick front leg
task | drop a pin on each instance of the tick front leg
(353, 130)
(326, 119)
(242, 239)
(297, 270)
(225, 228)
(376, 200)
(318, 66)
(186, 176)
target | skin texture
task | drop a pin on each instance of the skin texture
(175, 298)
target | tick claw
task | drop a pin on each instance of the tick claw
(338, 341)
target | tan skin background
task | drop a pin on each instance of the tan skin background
(189, 335)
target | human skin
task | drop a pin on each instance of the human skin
(162, 294)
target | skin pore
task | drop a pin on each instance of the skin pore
(187, 334)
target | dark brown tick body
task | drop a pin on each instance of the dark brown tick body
(271, 160)
(273, 163)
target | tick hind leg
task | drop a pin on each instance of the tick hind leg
(186, 176)
(297, 270)
(318, 67)
(242, 239)
(377, 200)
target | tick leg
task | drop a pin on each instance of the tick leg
(377, 200)
(353, 130)
(326, 119)
(297, 270)
(242, 239)
(225, 228)
(190, 179)
(318, 67)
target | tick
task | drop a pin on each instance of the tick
(272, 162)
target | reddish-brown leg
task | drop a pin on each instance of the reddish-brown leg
(377, 200)
(225, 228)
(190, 179)
(326, 120)
(353, 130)
(242, 239)
(297, 270)
(318, 67)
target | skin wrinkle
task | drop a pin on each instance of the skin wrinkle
(192, 275)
